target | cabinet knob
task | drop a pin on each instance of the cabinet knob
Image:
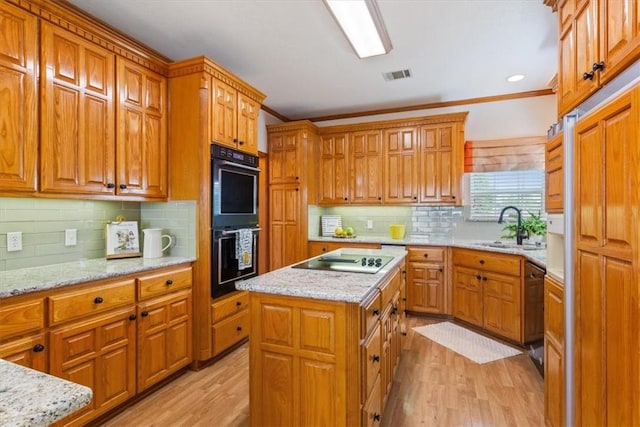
(481, 261)
(598, 66)
(376, 417)
(98, 300)
(123, 186)
(376, 312)
(133, 317)
(235, 139)
(484, 279)
(426, 255)
(345, 199)
(239, 328)
(297, 178)
(404, 334)
(144, 313)
(241, 142)
(38, 348)
(441, 270)
(588, 76)
(415, 197)
(111, 185)
(453, 197)
(297, 189)
(169, 282)
(404, 299)
(379, 198)
(375, 358)
(238, 303)
(478, 277)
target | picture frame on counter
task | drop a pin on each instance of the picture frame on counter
(122, 240)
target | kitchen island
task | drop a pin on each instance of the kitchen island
(324, 344)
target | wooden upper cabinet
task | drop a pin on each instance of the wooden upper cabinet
(334, 169)
(400, 165)
(440, 163)
(619, 35)
(234, 118)
(18, 97)
(285, 155)
(366, 157)
(77, 114)
(142, 131)
(554, 179)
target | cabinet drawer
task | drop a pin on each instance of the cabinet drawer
(230, 331)
(88, 301)
(225, 307)
(370, 313)
(372, 409)
(20, 318)
(371, 360)
(389, 289)
(488, 261)
(425, 253)
(164, 282)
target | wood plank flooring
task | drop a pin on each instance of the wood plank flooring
(433, 387)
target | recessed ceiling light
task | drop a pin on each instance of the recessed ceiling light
(515, 78)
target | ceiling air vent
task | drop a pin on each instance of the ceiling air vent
(396, 75)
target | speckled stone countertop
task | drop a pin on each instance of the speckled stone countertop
(26, 280)
(537, 256)
(324, 285)
(32, 398)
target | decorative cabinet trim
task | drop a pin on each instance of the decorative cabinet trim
(386, 124)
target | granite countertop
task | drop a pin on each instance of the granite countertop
(32, 398)
(26, 280)
(537, 256)
(322, 284)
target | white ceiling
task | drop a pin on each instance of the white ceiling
(293, 51)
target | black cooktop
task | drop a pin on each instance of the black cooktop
(355, 263)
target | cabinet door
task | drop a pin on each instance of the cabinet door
(285, 229)
(142, 131)
(554, 353)
(77, 115)
(30, 352)
(18, 97)
(366, 159)
(502, 313)
(619, 35)
(426, 288)
(248, 111)
(400, 165)
(554, 179)
(285, 155)
(467, 295)
(164, 337)
(334, 169)
(100, 354)
(224, 119)
(440, 164)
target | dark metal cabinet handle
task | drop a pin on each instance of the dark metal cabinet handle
(235, 139)
(38, 348)
(379, 198)
(376, 312)
(478, 277)
(297, 178)
(297, 189)
(481, 261)
(426, 255)
(484, 279)
(376, 417)
(123, 186)
(404, 334)
(169, 282)
(598, 66)
(239, 328)
(241, 142)
(441, 270)
(453, 197)
(345, 199)
(98, 300)
(324, 249)
(111, 185)
(588, 76)
(133, 317)
(144, 314)
(238, 303)
(404, 299)
(375, 358)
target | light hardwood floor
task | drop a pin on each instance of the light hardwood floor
(433, 387)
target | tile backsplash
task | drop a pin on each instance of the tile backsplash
(43, 223)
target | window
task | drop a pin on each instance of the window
(490, 192)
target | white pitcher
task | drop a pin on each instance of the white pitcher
(153, 242)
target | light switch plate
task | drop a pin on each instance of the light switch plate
(369, 224)
(70, 237)
(14, 241)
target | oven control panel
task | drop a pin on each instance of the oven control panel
(235, 156)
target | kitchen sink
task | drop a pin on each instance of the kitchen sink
(509, 245)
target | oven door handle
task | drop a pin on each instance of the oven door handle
(227, 232)
(237, 165)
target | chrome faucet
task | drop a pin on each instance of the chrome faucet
(520, 233)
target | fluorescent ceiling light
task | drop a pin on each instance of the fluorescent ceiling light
(361, 22)
(515, 78)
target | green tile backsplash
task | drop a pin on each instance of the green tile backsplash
(43, 221)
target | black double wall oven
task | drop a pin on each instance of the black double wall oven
(234, 204)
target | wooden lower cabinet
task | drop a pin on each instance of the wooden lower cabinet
(29, 352)
(554, 353)
(467, 295)
(100, 354)
(426, 282)
(230, 317)
(22, 337)
(320, 362)
(164, 337)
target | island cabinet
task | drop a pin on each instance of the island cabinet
(427, 284)
(554, 370)
(597, 40)
(554, 175)
(291, 190)
(324, 363)
(319, 248)
(18, 84)
(489, 291)
(22, 337)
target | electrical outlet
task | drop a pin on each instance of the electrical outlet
(14, 241)
(70, 237)
(369, 224)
